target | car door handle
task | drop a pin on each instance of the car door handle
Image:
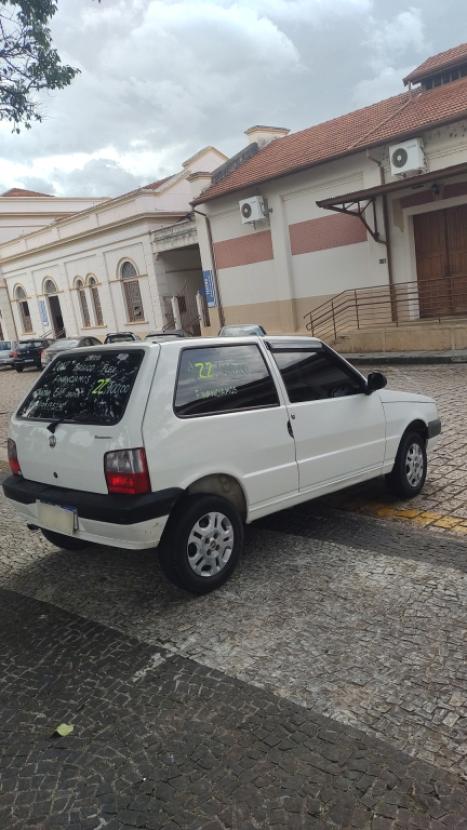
(289, 429)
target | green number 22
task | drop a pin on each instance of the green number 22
(100, 386)
(204, 369)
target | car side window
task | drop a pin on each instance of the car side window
(217, 379)
(315, 375)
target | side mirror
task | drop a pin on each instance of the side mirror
(376, 380)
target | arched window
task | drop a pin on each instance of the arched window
(83, 303)
(50, 287)
(96, 302)
(23, 305)
(132, 292)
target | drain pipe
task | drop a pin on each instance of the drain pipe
(220, 306)
(387, 233)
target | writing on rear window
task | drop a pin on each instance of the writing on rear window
(91, 388)
(218, 379)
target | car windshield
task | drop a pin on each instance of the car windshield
(4, 345)
(236, 331)
(66, 343)
(119, 338)
(88, 388)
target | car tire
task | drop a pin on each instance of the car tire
(19, 368)
(408, 475)
(202, 543)
(65, 542)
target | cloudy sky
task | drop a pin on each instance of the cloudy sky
(162, 78)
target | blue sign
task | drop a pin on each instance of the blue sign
(209, 289)
(43, 313)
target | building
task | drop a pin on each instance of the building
(71, 266)
(359, 220)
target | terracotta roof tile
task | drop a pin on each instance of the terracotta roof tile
(444, 60)
(394, 118)
(157, 184)
(17, 192)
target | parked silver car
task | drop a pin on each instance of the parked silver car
(6, 347)
(66, 343)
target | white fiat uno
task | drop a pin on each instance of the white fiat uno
(179, 443)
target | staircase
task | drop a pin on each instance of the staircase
(403, 317)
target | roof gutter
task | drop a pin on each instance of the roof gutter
(214, 266)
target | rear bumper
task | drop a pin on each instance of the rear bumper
(122, 521)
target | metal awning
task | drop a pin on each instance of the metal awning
(357, 202)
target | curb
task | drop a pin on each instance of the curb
(397, 358)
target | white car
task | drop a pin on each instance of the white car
(179, 443)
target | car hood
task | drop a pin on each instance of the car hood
(395, 396)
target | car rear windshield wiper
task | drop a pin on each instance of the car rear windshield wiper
(71, 405)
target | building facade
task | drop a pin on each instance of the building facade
(102, 269)
(373, 200)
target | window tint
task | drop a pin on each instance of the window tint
(4, 344)
(223, 379)
(89, 388)
(314, 375)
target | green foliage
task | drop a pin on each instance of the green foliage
(28, 61)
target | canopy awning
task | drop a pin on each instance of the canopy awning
(357, 202)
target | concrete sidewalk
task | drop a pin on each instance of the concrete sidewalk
(420, 358)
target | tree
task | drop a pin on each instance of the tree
(28, 61)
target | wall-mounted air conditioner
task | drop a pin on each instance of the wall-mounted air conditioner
(407, 158)
(253, 209)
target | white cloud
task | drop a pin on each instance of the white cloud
(391, 39)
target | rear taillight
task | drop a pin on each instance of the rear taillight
(126, 471)
(13, 354)
(13, 457)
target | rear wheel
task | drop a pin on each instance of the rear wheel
(410, 468)
(202, 543)
(65, 542)
(19, 368)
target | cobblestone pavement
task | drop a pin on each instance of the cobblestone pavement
(163, 743)
(366, 639)
(442, 505)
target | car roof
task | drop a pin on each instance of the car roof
(287, 341)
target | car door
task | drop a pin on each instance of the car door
(229, 419)
(339, 430)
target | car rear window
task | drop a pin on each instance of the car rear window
(217, 379)
(89, 388)
(4, 345)
(33, 344)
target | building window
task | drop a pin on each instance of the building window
(96, 302)
(23, 305)
(132, 292)
(50, 287)
(83, 303)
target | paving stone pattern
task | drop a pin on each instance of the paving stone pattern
(162, 743)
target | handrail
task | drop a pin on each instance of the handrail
(373, 306)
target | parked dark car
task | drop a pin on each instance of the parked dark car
(121, 337)
(66, 343)
(28, 353)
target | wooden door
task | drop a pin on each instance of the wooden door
(431, 250)
(456, 240)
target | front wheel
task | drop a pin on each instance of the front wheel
(409, 472)
(202, 543)
(65, 542)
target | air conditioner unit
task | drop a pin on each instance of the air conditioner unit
(407, 158)
(253, 209)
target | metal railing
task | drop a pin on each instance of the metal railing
(388, 305)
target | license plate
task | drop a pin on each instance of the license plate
(61, 519)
